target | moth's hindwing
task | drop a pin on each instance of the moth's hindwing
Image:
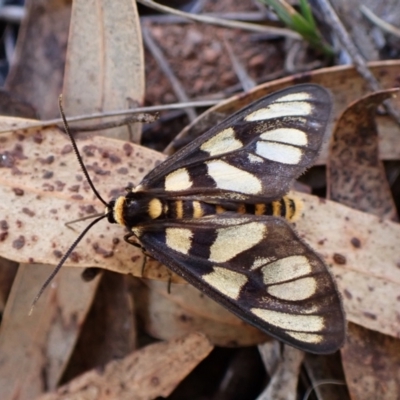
(252, 156)
(259, 269)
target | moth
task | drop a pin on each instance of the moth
(217, 213)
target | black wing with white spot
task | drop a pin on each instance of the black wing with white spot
(253, 155)
(259, 269)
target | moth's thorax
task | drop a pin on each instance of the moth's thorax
(118, 210)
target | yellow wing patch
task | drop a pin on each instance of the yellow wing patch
(299, 289)
(223, 142)
(278, 110)
(178, 180)
(278, 152)
(228, 282)
(292, 322)
(234, 240)
(286, 269)
(179, 239)
(228, 177)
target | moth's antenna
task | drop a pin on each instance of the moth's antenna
(62, 261)
(78, 156)
(79, 238)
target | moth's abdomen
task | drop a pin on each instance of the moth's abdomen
(288, 207)
(130, 211)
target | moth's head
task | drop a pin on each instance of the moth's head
(115, 211)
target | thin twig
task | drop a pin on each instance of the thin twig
(245, 80)
(112, 114)
(238, 16)
(380, 23)
(221, 22)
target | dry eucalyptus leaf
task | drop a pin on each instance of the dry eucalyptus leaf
(37, 70)
(359, 180)
(38, 347)
(105, 61)
(356, 176)
(372, 365)
(185, 309)
(42, 188)
(362, 250)
(143, 375)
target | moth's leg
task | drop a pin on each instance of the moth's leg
(134, 242)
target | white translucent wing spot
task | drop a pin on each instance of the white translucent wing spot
(227, 282)
(286, 135)
(231, 178)
(179, 239)
(282, 153)
(306, 337)
(254, 159)
(285, 269)
(261, 261)
(295, 97)
(178, 180)
(277, 110)
(234, 240)
(292, 322)
(299, 289)
(224, 142)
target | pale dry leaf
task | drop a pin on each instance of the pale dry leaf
(270, 353)
(283, 383)
(371, 362)
(105, 61)
(143, 375)
(36, 73)
(37, 347)
(362, 251)
(42, 188)
(184, 310)
(358, 179)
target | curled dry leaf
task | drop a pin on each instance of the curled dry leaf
(356, 176)
(105, 49)
(42, 188)
(145, 374)
(185, 309)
